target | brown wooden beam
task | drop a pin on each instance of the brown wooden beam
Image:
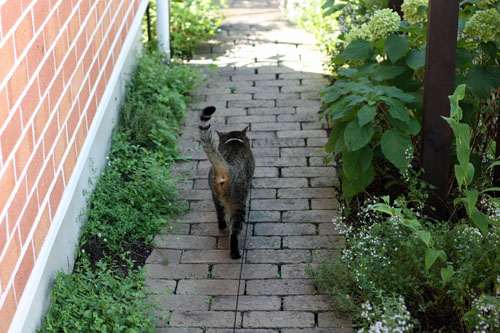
(438, 85)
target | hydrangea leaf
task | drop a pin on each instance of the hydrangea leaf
(415, 59)
(356, 137)
(357, 50)
(397, 148)
(386, 72)
(396, 47)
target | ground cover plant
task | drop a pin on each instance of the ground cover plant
(403, 270)
(134, 199)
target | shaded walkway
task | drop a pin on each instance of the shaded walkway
(268, 76)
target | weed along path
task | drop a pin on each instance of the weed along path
(268, 77)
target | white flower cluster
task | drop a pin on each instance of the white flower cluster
(391, 317)
(410, 10)
(484, 25)
(383, 21)
(350, 17)
(488, 312)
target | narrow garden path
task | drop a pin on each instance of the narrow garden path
(268, 76)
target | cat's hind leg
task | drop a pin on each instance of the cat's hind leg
(237, 221)
(221, 214)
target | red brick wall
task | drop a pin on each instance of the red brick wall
(56, 57)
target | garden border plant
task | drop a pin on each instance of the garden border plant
(133, 200)
(446, 272)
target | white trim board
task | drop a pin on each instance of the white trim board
(58, 250)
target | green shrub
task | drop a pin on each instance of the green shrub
(134, 198)
(97, 300)
(154, 107)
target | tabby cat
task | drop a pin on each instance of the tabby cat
(230, 176)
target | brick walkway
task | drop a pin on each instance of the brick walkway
(268, 77)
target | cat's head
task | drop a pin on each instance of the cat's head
(239, 136)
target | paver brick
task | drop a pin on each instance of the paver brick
(206, 256)
(318, 330)
(282, 110)
(309, 216)
(280, 161)
(208, 287)
(328, 229)
(184, 302)
(317, 142)
(279, 204)
(324, 203)
(179, 330)
(309, 171)
(329, 319)
(160, 286)
(228, 97)
(277, 256)
(255, 103)
(183, 242)
(240, 330)
(268, 151)
(284, 229)
(302, 151)
(162, 256)
(176, 271)
(280, 287)
(324, 181)
(266, 172)
(313, 242)
(296, 271)
(203, 318)
(271, 319)
(279, 182)
(270, 95)
(284, 142)
(297, 102)
(251, 119)
(294, 134)
(257, 193)
(263, 216)
(207, 229)
(250, 271)
(253, 242)
(309, 193)
(272, 126)
(199, 217)
(202, 206)
(314, 303)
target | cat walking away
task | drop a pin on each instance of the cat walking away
(230, 176)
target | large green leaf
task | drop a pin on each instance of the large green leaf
(411, 127)
(397, 148)
(425, 237)
(336, 139)
(355, 163)
(483, 79)
(386, 72)
(366, 114)
(397, 109)
(396, 46)
(356, 136)
(480, 220)
(446, 273)
(357, 50)
(351, 187)
(431, 255)
(393, 92)
(415, 59)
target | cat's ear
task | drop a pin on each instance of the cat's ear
(244, 132)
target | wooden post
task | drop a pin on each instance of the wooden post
(163, 26)
(438, 85)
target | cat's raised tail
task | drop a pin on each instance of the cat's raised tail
(219, 164)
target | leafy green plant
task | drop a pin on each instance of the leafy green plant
(192, 23)
(154, 107)
(367, 118)
(133, 200)
(97, 300)
(387, 52)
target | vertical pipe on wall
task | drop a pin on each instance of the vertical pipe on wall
(163, 26)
